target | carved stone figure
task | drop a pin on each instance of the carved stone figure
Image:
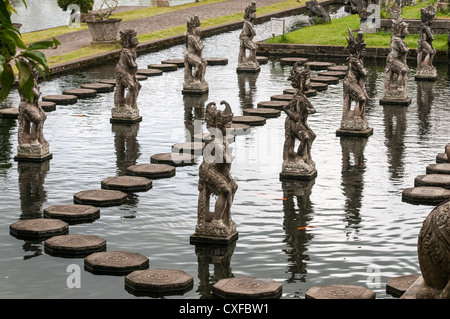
(395, 83)
(317, 13)
(433, 250)
(215, 179)
(354, 121)
(127, 85)
(395, 11)
(425, 49)
(194, 64)
(32, 146)
(298, 164)
(248, 63)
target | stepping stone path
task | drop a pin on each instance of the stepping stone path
(178, 62)
(318, 86)
(141, 77)
(336, 74)
(150, 72)
(437, 180)
(427, 195)
(263, 112)
(247, 287)
(72, 213)
(293, 60)
(308, 93)
(174, 159)
(74, 245)
(339, 68)
(441, 158)
(127, 183)
(108, 81)
(9, 113)
(239, 129)
(397, 286)
(262, 59)
(48, 106)
(195, 148)
(164, 67)
(99, 87)
(440, 168)
(38, 228)
(282, 97)
(217, 61)
(62, 99)
(115, 262)
(319, 65)
(339, 292)
(81, 93)
(250, 120)
(325, 79)
(158, 282)
(278, 105)
(100, 197)
(152, 171)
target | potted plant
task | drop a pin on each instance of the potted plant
(102, 28)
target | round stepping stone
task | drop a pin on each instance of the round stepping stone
(247, 287)
(319, 65)
(152, 171)
(9, 113)
(174, 159)
(217, 61)
(278, 105)
(239, 129)
(38, 228)
(127, 183)
(437, 180)
(72, 213)
(318, 86)
(249, 120)
(178, 62)
(141, 77)
(63, 99)
(338, 68)
(149, 72)
(325, 79)
(397, 286)
(336, 74)
(440, 168)
(282, 97)
(158, 281)
(74, 245)
(262, 59)
(48, 106)
(308, 93)
(109, 81)
(425, 195)
(195, 148)
(100, 197)
(292, 60)
(264, 112)
(441, 158)
(115, 262)
(99, 87)
(339, 292)
(81, 93)
(163, 67)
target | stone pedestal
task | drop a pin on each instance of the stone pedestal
(249, 67)
(427, 73)
(298, 169)
(395, 101)
(125, 115)
(33, 153)
(195, 88)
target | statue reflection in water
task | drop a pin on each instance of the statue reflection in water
(394, 131)
(194, 110)
(425, 98)
(247, 88)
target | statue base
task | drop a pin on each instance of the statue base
(394, 101)
(425, 77)
(249, 67)
(33, 153)
(196, 239)
(125, 115)
(195, 88)
(354, 133)
(298, 170)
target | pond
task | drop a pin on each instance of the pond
(360, 226)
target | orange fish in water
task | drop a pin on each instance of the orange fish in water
(305, 227)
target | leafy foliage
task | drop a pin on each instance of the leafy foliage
(85, 5)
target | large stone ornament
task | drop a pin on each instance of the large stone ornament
(215, 179)
(317, 13)
(248, 63)
(298, 164)
(127, 85)
(425, 49)
(194, 63)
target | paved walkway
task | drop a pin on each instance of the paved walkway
(76, 40)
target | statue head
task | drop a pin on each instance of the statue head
(193, 26)
(220, 119)
(428, 14)
(356, 46)
(400, 28)
(300, 79)
(128, 38)
(250, 12)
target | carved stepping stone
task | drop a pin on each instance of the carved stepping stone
(163, 67)
(336, 74)
(238, 129)
(152, 171)
(437, 180)
(99, 87)
(217, 61)
(247, 287)
(9, 113)
(440, 168)
(195, 148)
(63, 99)
(158, 282)
(109, 81)
(141, 77)
(282, 97)
(278, 105)
(178, 62)
(427, 195)
(174, 159)
(397, 286)
(100, 197)
(325, 79)
(318, 86)
(72, 213)
(264, 112)
(74, 245)
(250, 120)
(38, 228)
(48, 106)
(80, 93)
(127, 183)
(319, 65)
(339, 68)
(149, 72)
(339, 292)
(441, 158)
(310, 92)
(115, 262)
(262, 59)
(293, 60)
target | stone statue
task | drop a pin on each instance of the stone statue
(354, 121)
(425, 49)
(248, 63)
(395, 11)
(32, 146)
(433, 250)
(215, 179)
(298, 164)
(126, 109)
(194, 64)
(317, 13)
(395, 83)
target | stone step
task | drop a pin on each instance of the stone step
(75, 245)
(425, 195)
(115, 262)
(100, 197)
(249, 120)
(38, 228)
(81, 93)
(339, 292)
(437, 180)
(247, 287)
(72, 213)
(174, 159)
(152, 171)
(127, 183)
